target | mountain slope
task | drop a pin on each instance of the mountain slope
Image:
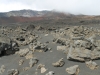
(24, 13)
(47, 17)
(29, 16)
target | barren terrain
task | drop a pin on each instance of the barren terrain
(50, 45)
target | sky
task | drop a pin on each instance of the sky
(86, 7)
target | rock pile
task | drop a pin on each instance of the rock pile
(37, 46)
(24, 39)
(82, 46)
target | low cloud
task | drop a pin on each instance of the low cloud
(87, 7)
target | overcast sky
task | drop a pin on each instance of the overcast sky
(88, 7)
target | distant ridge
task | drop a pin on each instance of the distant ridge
(46, 17)
(26, 13)
(29, 16)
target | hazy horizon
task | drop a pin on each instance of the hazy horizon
(86, 7)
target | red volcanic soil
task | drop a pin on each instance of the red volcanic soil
(5, 20)
(20, 19)
(55, 18)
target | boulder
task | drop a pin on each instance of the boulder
(95, 53)
(40, 66)
(43, 70)
(73, 70)
(59, 63)
(79, 54)
(21, 62)
(24, 39)
(38, 46)
(92, 65)
(50, 73)
(13, 72)
(7, 46)
(2, 69)
(26, 68)
(33, 61)
(23, 52)
(29, 55)
(61, 48)
(30, 27)
(61, 41)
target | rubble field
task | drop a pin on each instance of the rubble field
(40, 50)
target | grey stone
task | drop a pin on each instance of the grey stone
(40, 66)
(61, 48)
(7, 46)
(73, 70)
(29, 55)
(50, 73)
(24, 39)
(61, 41)
(13, 72)
(21, 62)
(59, 63)
(23, 52)
(92, 65)
(33, 61)
(79, 54)
(2, 69)
(39, 46)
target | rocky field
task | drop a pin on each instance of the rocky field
(49, 50)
